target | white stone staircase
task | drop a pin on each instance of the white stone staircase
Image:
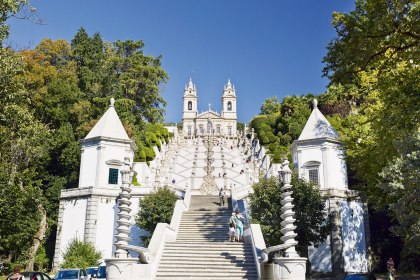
(202, 249)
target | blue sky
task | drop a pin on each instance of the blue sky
(267, 48)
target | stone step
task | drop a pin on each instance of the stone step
(216, 253)
(211, 244)
(202, 249)
(205, 275)
(186, 249)
(206, 263)
(208, 268)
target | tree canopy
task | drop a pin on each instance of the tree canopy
(50, 98)
(312, 223)
(156, 207)
(373, 101)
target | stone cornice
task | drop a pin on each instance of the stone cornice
(98, 191)
(334, 193)
(315, 141)
(94, 140)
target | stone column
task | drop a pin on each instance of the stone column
(124, 217)
(291, 266)
(123, 266)
(91, 217)
(337, 259)
(57, 251)
(326, 183)
(287, 213)
(99, 162)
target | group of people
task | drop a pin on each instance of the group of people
(236, 227)
(236, 221)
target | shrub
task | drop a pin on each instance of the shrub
(141, 156)
(150, 154)
(264, 140)
(277, 158)
(156, 207)
(80, 254)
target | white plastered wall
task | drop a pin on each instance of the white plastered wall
(105, 226)
(353, 236)
(74, 214)
(94, 170)
(330, 158)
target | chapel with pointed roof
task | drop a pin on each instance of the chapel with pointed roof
(319, 158)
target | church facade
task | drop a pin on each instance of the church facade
(209, 122)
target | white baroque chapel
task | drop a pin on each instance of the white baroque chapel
(206, 155)
(195, 123)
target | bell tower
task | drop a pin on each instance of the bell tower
(229, 102)
(190, 108)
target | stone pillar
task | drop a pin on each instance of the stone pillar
(123, 266)
(287, 213)
(337, 259)
(57, 251)
(325, 183)
(91, 217)
(291, 266)
(99, 163)
(124, 217)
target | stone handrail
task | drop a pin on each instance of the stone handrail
(167, 233)
(187, 197)
(268, 253)
(254, 235)
(177, 214)
(163, 233)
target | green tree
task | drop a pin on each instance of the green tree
(312, 225)
(156, 207)
(400, 185)
(271, 105)
(373, 65)
(381, 33)
(80, 254)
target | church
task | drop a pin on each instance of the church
(209, 122)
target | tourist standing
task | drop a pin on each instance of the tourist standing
(239, 221)
(222, 196)
(232, 227)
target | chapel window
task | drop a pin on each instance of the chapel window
(189, 105)
(229, 106)
(113, 176)
(314, 176)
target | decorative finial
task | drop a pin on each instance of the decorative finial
(229, 82)
(112, 101)
(315, 103)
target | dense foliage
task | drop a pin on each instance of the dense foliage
(278, 129)
(80, 254)
(373, 101)
(50, 97)
(156, 207)
(312, 223)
